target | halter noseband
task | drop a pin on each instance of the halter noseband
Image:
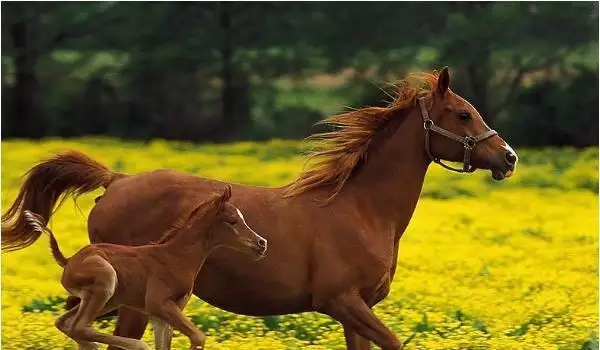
(469, 142)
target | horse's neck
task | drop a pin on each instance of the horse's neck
(389, 185)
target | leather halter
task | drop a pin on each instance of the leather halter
(469, 142)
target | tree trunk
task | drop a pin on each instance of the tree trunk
(25, 87)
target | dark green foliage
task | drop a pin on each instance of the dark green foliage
(590, 344)
(119, 165)
(447, 192)
(470, 320)
(212, 321)
(49, 304)
(211, 71)
(424, 325)
(288, 123)
(271, 322)
(282, 324)
(556, 112)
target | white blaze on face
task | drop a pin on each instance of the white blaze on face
(245, 224)
(507, 147)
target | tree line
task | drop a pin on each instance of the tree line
(221, 71)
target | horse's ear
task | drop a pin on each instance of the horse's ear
(443, 82)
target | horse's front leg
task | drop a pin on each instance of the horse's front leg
(355, 341)
(354, 314)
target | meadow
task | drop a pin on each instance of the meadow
(483, 264)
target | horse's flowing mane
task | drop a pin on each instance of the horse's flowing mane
(341, 151)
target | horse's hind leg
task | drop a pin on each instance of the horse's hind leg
(162, 334)
(353, 313)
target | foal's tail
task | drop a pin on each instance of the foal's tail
(37, 224)
(70, 173)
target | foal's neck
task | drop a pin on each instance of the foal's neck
(389, 185)
(189, 247)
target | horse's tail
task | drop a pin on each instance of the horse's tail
(66, 174)
(38, 224)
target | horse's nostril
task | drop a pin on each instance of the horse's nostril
(262, 243)
(511, 158)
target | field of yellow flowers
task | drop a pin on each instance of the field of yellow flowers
(483, 265)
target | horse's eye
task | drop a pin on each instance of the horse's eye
(464, 116)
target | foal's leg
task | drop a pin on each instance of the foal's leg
(170, 312)
(63, 324)
(352, 312)
(92, 305)
(162, 334)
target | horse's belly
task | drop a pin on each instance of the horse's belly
(249, 294)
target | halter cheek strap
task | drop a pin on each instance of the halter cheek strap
(469, 142)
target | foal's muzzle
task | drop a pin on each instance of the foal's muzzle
(259, 247)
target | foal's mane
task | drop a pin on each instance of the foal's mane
(342, 150)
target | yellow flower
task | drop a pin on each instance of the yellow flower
(483, 265)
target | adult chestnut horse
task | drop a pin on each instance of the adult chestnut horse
(333, 233)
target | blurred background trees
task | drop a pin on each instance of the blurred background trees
(218, 71)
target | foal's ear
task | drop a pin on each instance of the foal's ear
(224, 197)
(443, 82)
(227, 193)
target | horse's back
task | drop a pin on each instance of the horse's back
(137, 209)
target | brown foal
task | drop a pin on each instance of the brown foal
(108, 276)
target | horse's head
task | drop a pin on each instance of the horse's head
(455, 131)
(231, 229)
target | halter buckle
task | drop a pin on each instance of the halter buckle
(427, 124)
(469, 142)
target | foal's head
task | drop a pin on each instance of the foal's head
(224, 225)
